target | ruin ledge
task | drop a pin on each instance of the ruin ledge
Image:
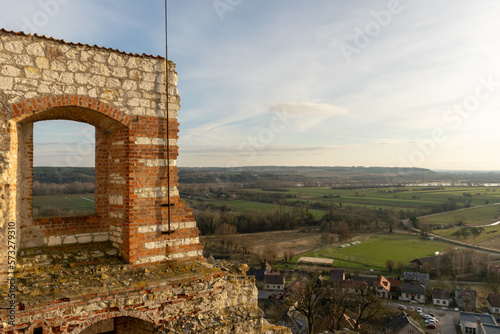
(70, 292)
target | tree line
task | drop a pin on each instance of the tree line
(41, 189)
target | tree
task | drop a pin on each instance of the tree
(493, 283)
(344, 232)
(245, 244)
(459, 220)
(414, 221)
(339, 302)
(389, 264)
(368, 305)
(426, 267)
(288, 255)
(462, 233)
(476, 231)
(225, 233)
(269, 253)
(391, 219)
(401, 266)
(309, 298)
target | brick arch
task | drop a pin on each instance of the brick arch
(33, 110)
(112, 129)
(116, 316)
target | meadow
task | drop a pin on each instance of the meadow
(245, 206)
(480, 216)
(416, 200)
(375, 249)
(77, 204)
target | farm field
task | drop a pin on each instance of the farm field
(295, 241)
(375, 250)
(246, 206)
(482, 216)
(398, 197)
(81, 204)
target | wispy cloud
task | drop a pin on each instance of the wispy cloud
(265, 57)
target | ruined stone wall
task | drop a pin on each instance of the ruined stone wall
(123, 96)
(187, 298)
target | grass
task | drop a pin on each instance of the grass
(399, 197)
(472, 216)
(373, 252)
(248, 207)
(81, 203)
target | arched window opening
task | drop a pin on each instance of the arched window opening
(121, 325)
(63, 169)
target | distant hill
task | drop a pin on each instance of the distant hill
(283, 175)
(64, 175)
(305, 174)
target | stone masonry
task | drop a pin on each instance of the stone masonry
(123, 96)
(125, 269)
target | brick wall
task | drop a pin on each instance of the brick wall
(123, 96)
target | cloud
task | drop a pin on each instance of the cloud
(306, 115)
(265, 150)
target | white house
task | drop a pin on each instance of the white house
(274, 281)
(493, 301)
(410, 291)
(441, 297)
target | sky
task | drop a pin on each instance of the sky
(300, 83)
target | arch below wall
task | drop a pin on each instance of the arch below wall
(121, 325)
(112, 172)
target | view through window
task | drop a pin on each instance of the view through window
(63, 169)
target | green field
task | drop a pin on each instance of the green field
(80, 204)
(480, 216)
(246, 206)
(472, 216)
(406, 198)
(372, 253)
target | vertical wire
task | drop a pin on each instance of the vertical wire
(168, 118)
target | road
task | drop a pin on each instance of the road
(447, 318)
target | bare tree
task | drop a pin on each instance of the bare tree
(245, 244)
(400, 267)
(269, 253)
(339, 301)
(368, 306)
(389, 264)
(493, 283)
(309, 298)
(225, 232)
(392, 219)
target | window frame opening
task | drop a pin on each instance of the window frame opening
(69, 171)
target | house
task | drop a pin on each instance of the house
(412, 291)
(274, 281)
(337, 276)
(259, 273)
(404, 324)
(475, 323)
(357, 287)
(382, 287)
(418, 263)
(441, 297)
(370, 280)
(395, 287)
(466, 299)
(493, 301)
